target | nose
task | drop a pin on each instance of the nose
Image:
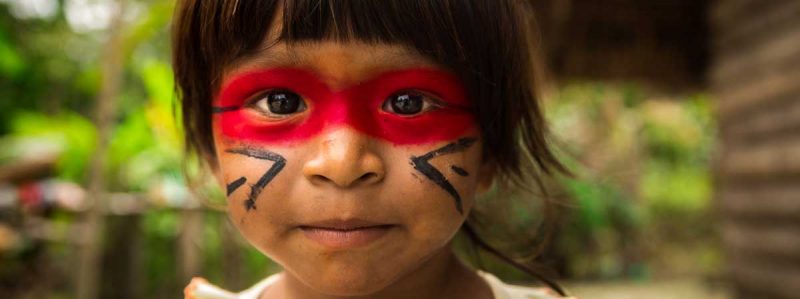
(344, 159)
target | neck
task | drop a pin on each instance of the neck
(442, 275)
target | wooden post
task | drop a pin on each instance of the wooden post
(189, 253)
(94, 219)
(231, 255)
(754, 79)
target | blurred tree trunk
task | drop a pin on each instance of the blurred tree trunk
(122, 259)
(189, 247)
(94, 220)
(231, 255)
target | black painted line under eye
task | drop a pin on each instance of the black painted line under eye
(423, 165)
(217, 109)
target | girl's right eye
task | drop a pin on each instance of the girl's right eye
(279, 103)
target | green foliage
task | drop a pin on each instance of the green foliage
(641, 161)
(601, 206)
(161, 229)
(676, 189)
(68, 133)
(11, 63)
(679, 138)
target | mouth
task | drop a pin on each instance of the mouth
(345, 234)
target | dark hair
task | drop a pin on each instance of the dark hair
(489, 44)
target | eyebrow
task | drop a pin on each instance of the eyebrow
(266, 56)
(269, 56)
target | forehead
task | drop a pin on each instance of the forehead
(336, 63)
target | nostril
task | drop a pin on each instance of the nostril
(320, 178)
(367, 177)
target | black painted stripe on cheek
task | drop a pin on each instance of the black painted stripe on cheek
(235, 185)
(255, 189)
(217, 109)
(459, 171)
(423, 165)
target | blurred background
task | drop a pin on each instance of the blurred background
(681, 119)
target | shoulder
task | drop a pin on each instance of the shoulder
(502, 290)
(199, 288)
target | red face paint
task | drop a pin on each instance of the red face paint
(357, 106)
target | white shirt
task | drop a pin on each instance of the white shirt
(500, 290)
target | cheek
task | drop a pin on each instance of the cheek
(261, 217)
(430, 211)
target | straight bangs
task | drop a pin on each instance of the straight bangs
(436, 29)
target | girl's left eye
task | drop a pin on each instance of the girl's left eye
(410, 103)
(279, 103)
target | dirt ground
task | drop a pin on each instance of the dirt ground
(669, 289)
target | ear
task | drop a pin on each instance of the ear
(486, 175)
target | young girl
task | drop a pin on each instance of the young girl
(352, 137)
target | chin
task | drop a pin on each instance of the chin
(351, 280)
(349, 288)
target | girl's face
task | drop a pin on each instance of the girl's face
(350, 164)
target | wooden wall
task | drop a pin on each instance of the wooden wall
(755, 77)
(661, 42)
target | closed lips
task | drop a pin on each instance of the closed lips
(343, 224)
(344, 235)
(344, 229)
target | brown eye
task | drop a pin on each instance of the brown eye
(280, 103)
(408, 103)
